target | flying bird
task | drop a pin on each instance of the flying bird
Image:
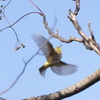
(53, 56)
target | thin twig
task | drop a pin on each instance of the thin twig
(19, 20)
(37, 7)
(91, 32)
(57, 36)
(55, 22)
(25, 63)
(23, 70)
(11, 27)
(8, 3)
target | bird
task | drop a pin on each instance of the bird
(53, 56)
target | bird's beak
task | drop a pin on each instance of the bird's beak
(60, 45)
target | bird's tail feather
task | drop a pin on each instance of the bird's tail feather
(42, 71)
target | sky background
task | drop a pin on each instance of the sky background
(31, 83)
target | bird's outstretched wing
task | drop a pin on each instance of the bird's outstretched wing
(44, 45)
(63, 68)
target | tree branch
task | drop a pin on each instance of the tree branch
(57, 36)
(22, 72)
(77, 7)
(88, 42)
(74, 89)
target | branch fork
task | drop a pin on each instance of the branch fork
(89, 42)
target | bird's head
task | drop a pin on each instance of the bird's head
(58, 49)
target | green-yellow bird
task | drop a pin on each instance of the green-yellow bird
(53, 56)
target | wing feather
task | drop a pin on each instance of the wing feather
(63, 68)
(44, 45)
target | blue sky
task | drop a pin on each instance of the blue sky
(31, 83)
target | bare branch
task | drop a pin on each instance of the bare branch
(18, 41)
(55, 22)
(22, 72)
(91, 32)
(8, 3)
(56, 35)
(77, 7)
(73, 19)
(89, 42)
(37, 7)
(19, 20)
(76, 39)
(93, 37)
(3, 98)
(74, 89)
(10, 26)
